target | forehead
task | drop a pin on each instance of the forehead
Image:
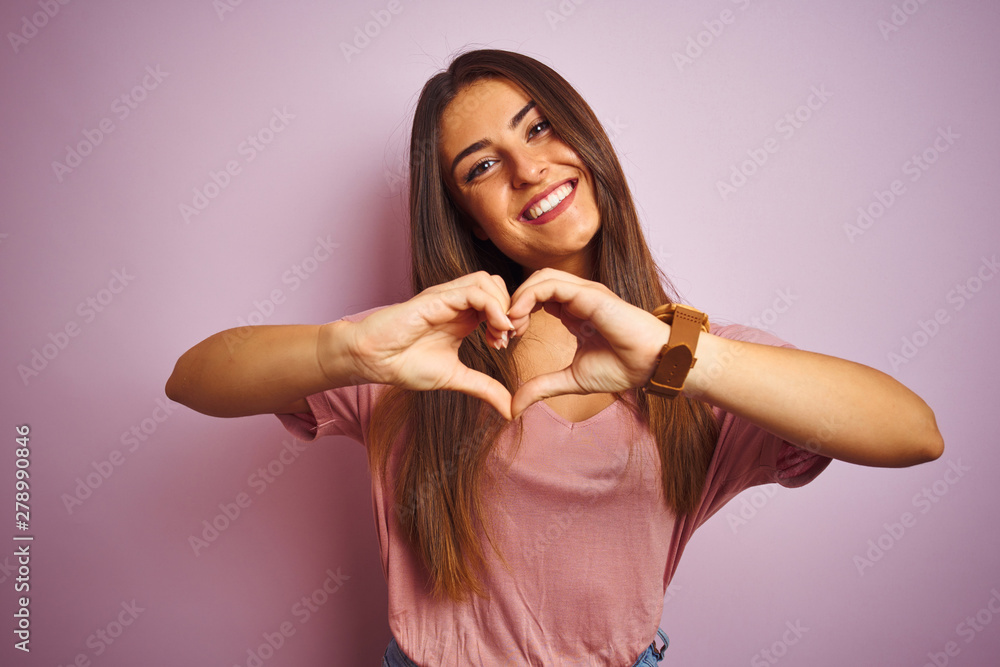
(481, 110)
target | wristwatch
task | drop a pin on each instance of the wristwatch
(677, 356)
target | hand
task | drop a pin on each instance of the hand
(617, 343)
(415, 344)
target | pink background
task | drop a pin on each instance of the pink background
(767, 562)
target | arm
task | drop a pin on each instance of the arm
(820, 403)
(265, 369)
(834, 407)
(415, 345)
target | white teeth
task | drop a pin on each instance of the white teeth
(549, 202)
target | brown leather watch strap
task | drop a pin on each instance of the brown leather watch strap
(677, 356)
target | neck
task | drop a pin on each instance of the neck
(547, 332)
(581, 264)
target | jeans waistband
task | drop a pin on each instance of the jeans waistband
(394, 656)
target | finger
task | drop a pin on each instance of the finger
(482, 304)
(461, 281)
(442, 307)
(493, 306)
(495, 285)
(482, 386)
(579, 300)
(502, 287)
(543, 386)
(542, 275)
(491, 283)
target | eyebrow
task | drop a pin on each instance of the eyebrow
(483, 143)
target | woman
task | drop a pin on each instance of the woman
(532, 508)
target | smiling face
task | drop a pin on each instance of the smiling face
(525, 189)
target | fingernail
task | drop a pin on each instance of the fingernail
(510, 325)
(504, 339)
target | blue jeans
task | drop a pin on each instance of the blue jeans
(394, 657)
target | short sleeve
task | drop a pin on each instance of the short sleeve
(747, 455)
(341, 411)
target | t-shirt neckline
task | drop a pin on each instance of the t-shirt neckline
(571, 424)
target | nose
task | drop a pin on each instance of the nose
(527, 168)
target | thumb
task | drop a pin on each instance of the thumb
(484, 387)
(543, 386)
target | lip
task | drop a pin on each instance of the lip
(552, 213)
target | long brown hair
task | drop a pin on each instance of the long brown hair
(450, 435)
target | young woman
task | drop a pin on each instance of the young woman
(536, 470)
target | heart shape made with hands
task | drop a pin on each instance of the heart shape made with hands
(415, 344)
(616, 343)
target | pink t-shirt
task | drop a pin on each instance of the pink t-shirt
(590, 544)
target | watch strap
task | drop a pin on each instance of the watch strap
(677, 356)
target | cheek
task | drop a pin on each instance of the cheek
(489, 205)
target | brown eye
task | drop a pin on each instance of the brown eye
(538, 128)
(478, 169)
